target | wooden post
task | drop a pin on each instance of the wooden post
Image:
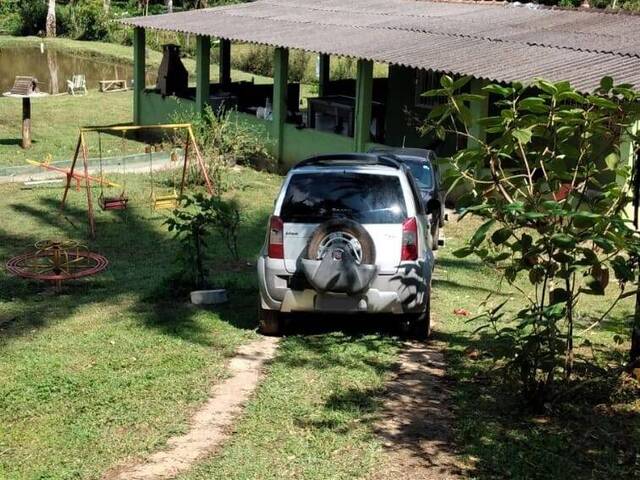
(225, 62)
(138, 73)
(478, 110)
(26, 122)
(280, 78)
(203, 55)
(324, 76)
(364, 93)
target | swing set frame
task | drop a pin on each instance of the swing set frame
(82, 151)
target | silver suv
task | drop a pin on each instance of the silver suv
(349, 234)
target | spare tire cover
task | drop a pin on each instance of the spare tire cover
(340, 257)
(349, 227)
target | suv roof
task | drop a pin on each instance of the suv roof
(404, 152)
(351, 159)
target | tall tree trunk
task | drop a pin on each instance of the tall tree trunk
(51, 19)
(169, 5)
(52, 62)
(106, 4)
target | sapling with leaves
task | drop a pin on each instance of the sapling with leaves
(193, 224)
(550, 186)
(190, 225)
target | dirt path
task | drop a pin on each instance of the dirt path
(416, 419)
(211, 425)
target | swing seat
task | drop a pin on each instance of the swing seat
(113, 203)
(165, 202)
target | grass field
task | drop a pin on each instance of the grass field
(113, 366)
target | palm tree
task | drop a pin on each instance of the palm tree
(51, 19)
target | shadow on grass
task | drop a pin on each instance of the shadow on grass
(140, 257)
(585, 437)
(13, 141)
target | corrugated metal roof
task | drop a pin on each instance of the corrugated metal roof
(497, 42)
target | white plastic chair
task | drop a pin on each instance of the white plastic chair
(77, 84)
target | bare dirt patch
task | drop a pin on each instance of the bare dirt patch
(212, 424)
(416, 423)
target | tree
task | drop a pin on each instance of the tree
(51, 19)
(551, 189)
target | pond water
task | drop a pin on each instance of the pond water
(53, 68)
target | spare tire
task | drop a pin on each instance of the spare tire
(350, 234)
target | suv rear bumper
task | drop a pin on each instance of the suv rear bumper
(397, 293)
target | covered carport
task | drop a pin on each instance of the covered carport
(416, 39)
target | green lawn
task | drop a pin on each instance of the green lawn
(114, 365)
(110, 368)
(55, 123)
(313, 416)
(597, 436)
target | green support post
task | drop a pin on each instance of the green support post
(627, 157)
(203, 56)
(138, 73)
(364, 93)
(324, 64)
(478, 110)
(225, 61)
(280, 77)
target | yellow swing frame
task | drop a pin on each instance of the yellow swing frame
(82, 151)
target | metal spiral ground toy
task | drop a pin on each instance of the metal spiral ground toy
(57, 261)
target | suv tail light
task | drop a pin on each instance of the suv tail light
(409, 239)
(276, 237)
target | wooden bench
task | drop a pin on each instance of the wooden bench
(113, 86)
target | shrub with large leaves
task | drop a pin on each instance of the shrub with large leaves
(550, 185)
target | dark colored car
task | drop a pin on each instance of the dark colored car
(422, 164)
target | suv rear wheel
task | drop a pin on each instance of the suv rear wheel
(418, 326)
(269, 322)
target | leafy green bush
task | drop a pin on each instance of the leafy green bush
(10, 23)
(89, 20)
(298, 63)
(223, 142)
(256, 59)
(192, 224)
(33, 16)
(631, 5)
(64, 20)
(343, 69)
(552, 190)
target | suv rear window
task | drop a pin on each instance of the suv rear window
(363, 197)
(422, 171)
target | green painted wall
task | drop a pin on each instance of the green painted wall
(156, 110)
(298, 143)
(307, 142)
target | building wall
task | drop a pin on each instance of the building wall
(154, 109)
(298, 143)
